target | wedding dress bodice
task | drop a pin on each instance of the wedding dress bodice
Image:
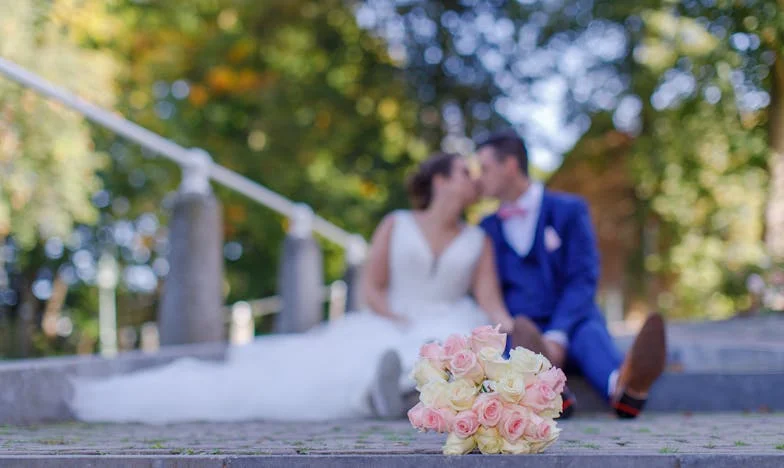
(418, 277)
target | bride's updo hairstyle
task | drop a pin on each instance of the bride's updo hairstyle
(420, 184)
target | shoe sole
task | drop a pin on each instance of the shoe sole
(648, 356)
(387, 400)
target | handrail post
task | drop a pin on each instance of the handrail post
(301, 275)
(191, 307)
(356, 251)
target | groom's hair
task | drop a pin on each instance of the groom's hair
(507, 144)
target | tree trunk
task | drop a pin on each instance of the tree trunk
(774, 215)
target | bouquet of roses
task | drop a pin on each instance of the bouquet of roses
(481, 400)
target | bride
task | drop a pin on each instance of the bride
(422, 266)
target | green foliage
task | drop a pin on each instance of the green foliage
(292, 94)
(48, 163)
(700, 163)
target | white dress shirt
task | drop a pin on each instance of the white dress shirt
(520, 232)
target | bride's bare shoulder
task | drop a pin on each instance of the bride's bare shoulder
(388, 223)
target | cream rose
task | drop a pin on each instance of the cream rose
(488, 440)
(511, 387)
(461, 394)
(493, 363)
(435, 394)
(425, 372)
(458, 446)
(525, 361)
(518, 447)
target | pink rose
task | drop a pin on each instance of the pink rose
(417, 416)
(488, 337)
(514, 422)
(464, 364)
(454, 344)
(488, 408)
(538, 428)
(465, 424)
(554, 378)
(437, 420)
(538, 395)
(434, 353)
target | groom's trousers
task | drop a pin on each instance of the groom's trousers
(591, 352)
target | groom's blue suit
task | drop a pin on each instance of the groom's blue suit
(555, 283)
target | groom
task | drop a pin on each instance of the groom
(548, 267)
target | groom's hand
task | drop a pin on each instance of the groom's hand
(555, 352)
(507, 325)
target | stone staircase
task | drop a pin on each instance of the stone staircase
(735, 365)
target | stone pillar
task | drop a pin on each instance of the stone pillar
(301, 276)
(356, 251)
(191, 309)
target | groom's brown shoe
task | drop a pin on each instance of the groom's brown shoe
(644, 364)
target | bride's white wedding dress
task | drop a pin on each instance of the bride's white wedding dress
(322, 374)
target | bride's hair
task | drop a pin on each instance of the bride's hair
(420, 184)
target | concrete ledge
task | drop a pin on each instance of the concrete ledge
(413, 461)
(699, 392)
(36, 390)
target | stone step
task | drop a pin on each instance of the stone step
(661, 440)
(699, 392)
(36, 390)
(402, 461)
(708, 372)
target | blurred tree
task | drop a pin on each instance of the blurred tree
(49, 163)
(292, 94)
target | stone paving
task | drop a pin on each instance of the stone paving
(724, 438)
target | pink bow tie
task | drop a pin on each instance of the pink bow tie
(511, 211)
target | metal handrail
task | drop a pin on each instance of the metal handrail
(187, 158)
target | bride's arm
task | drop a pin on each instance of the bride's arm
(375, 279)
(487, 290)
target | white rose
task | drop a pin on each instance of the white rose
(544, 363)
(511, 387)
(488, 440)
(520, 446)
(424, 372)
(454, 445)
(435, 394)
(493, 363)
(539, 446)
(461, 394)
(525, 361)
